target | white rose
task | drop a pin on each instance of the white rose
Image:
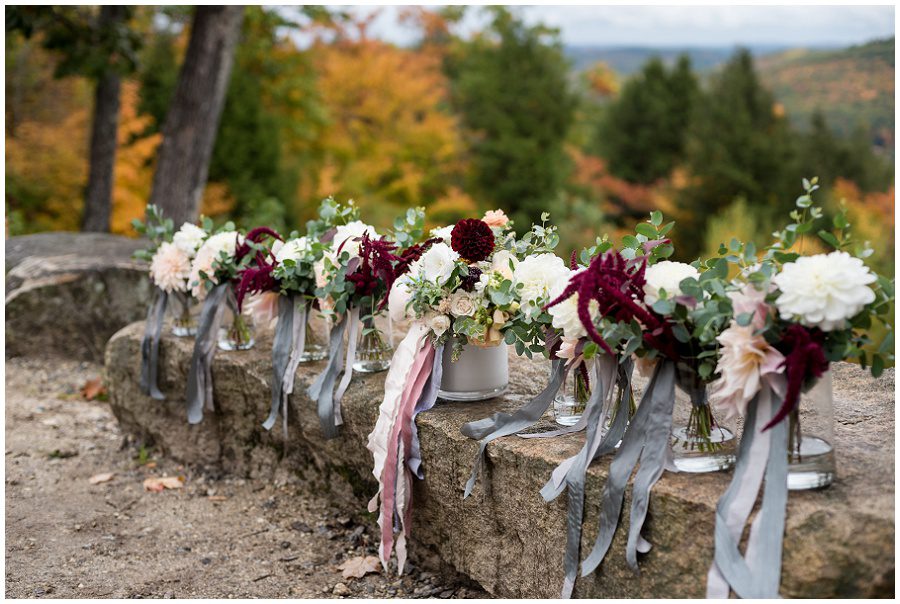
(437, 264)
(824, 290)
(189, 238)
(439, 324)
(565, 314)
(462, 304)
(398, 299)
(666, 275)
(348, 236)
(293, 249)
(443, 233)
(537, 276)
(501, 262)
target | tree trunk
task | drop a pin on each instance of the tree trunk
(189, 130)
(98, 196)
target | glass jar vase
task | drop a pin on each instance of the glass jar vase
(811, 462)
(316, 344)
(373, 348)
(480, 373)
(237, 330)
(183, 324)
(700, 441)
(570, 402)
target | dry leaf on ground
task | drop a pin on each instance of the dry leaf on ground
(93, 389)
(360, 566)
(156, 484)
(104, 477)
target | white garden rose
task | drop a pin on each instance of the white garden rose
(565, 314)
(462, 304)
(443, 232)
(666, 275)
(824, 290)
(537, 275)
(439, 324)
(189, 238)
(206, 255)
(170, 268)
(293, 249)
(437, 264)
(398, 298)
(501, 262)
(348, 235)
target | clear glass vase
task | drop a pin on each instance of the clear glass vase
(183, 324)
(237, 332)
(373, 349)
(700, 441)
(480, 373)
(316, 344)
(811, 462)
(570, 402)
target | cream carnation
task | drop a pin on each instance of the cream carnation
(745, 361)
(189, 238)
(565, 314)
(209, 252)
(293, 249)
(170, 268)
(666, 275)
(536, 276)
(437, 264)
(824, 290)
(347, 237)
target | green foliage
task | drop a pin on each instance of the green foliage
(157, 229)
(643, 131)
(511, 90)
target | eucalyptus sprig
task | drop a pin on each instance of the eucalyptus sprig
(157, 229)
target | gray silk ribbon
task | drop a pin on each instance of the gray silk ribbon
(426, 401)
(647, 440)
(322, 388)
(504, 424)
(352, 341)
(756, 574)
(150, 346)
(199, 382)
(287, 346)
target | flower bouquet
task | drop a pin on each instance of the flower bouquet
(792, 316)
(170, 263)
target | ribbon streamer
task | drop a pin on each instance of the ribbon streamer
(322, 388)
(150, 346)
(199, 381)
(757, 573)
(647, 440)
(503, 424)
(410, 388)
(287, 346)
(352, 340)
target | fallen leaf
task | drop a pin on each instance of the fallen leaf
(93, 389)
(150, 465)
(360, 566)
(156, 484)
(104, 477)
(217, 498)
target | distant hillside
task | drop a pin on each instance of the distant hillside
(850, 86)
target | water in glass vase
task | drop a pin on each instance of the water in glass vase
(316, 343)
(374, 349)
(570, 402)
(183, 325)
(238, 335)
(702, 445)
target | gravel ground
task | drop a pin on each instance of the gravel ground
(216, 537)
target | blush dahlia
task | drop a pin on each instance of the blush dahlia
(472, 239)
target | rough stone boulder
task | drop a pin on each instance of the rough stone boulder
(67, 293)
(838, 542)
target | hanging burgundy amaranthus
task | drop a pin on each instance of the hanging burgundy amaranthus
(259, 276)
(804, 359)
(376, 268)
(411, 254)
(617, 286)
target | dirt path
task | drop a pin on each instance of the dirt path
(216, 537)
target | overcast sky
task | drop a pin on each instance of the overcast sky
(687, 25)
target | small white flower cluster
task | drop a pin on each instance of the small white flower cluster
(209, 252)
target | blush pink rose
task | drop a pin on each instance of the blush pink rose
(495, 218)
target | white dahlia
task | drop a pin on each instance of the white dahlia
(824, 290)
(189, 238)
(666, 275)
(170, 268)
(537, 275)
(206, 255)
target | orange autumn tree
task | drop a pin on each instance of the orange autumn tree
(388, 142)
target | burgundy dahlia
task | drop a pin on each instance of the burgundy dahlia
(472, 239)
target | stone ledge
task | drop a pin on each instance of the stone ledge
(67, 293)
(839, 542)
